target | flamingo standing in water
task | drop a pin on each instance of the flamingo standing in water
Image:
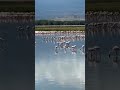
(56, 49)
(115, 53)
(62, 44)
(74, 49)
(67, 44)
(97, 53)
(28, 32)
(21, 32)
(91, 54)
(83, 48)
(1, 42)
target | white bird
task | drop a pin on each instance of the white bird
(74, 49)
(56, 49)
(83, 48)
(67, 44)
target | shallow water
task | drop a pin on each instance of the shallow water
(61, 71)
(105, 74)
(16, 59)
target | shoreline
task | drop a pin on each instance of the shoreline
(39, 33)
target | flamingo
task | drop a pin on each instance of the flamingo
(74, 49)
(62, 44)
(1, 42)
(3, 39)
(90, 54)
(56, 49)
(97, 53)
(28, 33)
(67, 45)
(83, 48)
(21, 32)
(115, 53)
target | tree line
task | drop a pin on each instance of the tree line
(52, 22)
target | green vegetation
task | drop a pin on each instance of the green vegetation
(52, 22)
(17, 6)
(60, 28)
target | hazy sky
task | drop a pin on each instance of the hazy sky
(54, 8)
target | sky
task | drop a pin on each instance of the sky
(47, 9)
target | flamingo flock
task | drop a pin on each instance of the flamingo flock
(25, 32)
(8, 17)
(102, 22)
(57, 36)
(59, 33)
(94, 54)
(66, 45)
(111, 28)
(102, 16)
(63, 40)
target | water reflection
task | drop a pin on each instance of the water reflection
(61, 71)
(102, 66)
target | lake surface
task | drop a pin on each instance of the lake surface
(61, 70)
(16, 58)
(105, 74)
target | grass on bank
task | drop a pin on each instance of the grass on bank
(60, 28)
